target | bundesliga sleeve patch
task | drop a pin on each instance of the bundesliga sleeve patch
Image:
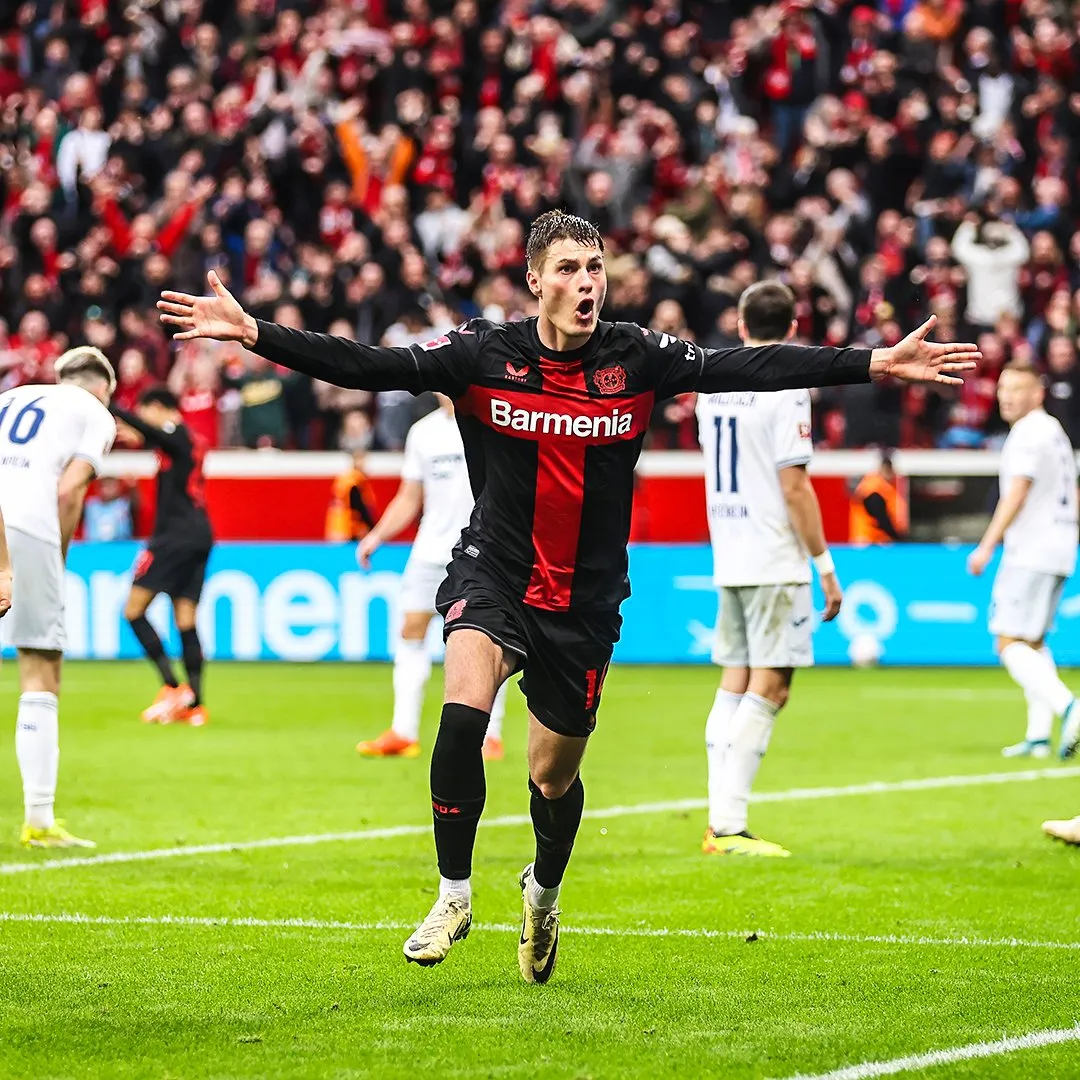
(457, 609)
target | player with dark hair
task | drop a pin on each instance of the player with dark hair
(766, 529)
(174, 561)
(552, 411)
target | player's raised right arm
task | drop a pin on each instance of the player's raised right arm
(335, 360)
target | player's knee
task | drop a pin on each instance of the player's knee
(779, 695)
(133, 611)
(553, 787)
(772, 685)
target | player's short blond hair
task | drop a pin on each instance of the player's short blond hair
(85, 360)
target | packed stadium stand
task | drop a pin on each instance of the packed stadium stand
(371, 169)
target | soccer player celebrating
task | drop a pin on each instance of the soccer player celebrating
(1036, 516)
(53, 440)
(174, 561)
(552, 411)
(434, 476)
(764, 519)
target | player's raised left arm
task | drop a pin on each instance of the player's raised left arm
(786, 367)
(337, 360)
(1009, 505)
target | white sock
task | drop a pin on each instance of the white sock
(751, 728)
(37, 747)
(412, 669)
(1036, 675)
(1040, 717)
(458, 887)
(539, 897)
(498, 711)
(717, 738)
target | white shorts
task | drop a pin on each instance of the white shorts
(1023, 602)
(36, 618)
(765, 626)
(420, 582)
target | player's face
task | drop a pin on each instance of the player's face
(1018, 393)
(571, 285)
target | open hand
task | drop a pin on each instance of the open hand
(917, 360)
(218, 316)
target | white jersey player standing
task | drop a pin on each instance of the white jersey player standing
(1036, 517)
(434, 476)
(764, 520)
(52, 443)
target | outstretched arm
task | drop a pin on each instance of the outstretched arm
(786, 367)
(438, 365)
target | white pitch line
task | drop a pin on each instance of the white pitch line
(71, 918)
(870, 1069)
(636, 809)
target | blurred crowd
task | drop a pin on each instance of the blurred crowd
(371, 167)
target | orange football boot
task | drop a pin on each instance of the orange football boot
(170, 702)
(196, 716)
(389, 744)
(493, 749)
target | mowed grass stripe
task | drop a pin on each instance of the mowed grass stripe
(792, 795)
(246, 922)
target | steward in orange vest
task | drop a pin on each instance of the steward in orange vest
(351, 513)
(878, 512)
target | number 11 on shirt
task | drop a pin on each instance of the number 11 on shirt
(732, 445)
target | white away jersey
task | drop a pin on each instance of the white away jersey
(435, 456)
(747, 438)
(42, 429)
(1044, 534)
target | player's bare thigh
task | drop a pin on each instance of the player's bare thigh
(414, 625)
(39, 671)
(137, 602)
(475, 667)
(554, 759)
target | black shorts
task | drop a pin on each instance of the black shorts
(563, 656)
(178, 570)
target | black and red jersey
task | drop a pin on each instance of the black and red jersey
(551, 439)
(181, 516)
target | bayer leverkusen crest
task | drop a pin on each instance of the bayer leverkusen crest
(610, 380)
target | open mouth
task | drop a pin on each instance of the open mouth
(584, 310)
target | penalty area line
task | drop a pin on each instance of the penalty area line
(929, 783)
(916, 1062)
(242, 922)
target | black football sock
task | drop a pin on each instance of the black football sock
(151, 643)
(193, 661)
(555, 822)
(458, 788)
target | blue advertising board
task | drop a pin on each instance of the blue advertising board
(308, 602)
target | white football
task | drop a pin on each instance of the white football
(864, 651)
